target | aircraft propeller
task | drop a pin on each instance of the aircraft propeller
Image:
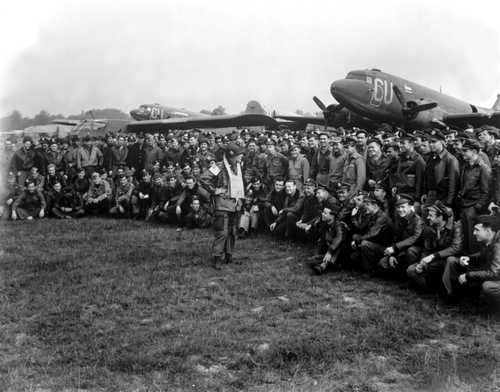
(328, 111)
(410, 109)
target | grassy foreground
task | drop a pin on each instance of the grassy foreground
(108, 305)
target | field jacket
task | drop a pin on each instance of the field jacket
(407, 230)
(486, 263)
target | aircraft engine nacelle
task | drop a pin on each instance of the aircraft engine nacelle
(429, 118)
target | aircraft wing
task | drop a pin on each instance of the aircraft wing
(224, 121)
(302, 119)
(474, 119)
(63, 121)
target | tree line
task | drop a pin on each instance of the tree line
(15, 120)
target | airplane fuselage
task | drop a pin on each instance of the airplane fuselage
(370, 93)
(160, 112)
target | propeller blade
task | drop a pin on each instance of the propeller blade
(426, 106)
(399, 96)
(320, 104)
(334, 108)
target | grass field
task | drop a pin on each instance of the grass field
(107, 305)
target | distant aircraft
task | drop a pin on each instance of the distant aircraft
(93, 127)
(155, 117)
(383, 97)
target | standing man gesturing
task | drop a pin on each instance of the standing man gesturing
(228, 194)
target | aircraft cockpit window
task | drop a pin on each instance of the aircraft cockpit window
(356, 75)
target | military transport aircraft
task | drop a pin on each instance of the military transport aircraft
(368, 97)
(154, 117)
(92, 126)
(384, 97)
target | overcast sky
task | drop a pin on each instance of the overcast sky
(67, 56)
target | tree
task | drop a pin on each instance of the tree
(12, 121)
(42, 118)
(219, 111)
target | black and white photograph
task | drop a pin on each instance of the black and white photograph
(289, 196)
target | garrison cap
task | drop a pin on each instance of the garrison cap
(436, 134)
(361, 193)
(343, 185)
(490, 129)
(350, 140)
(375, 140)
(404, 199)
(471, 144)
(492, 221)
(441, 209)
(371, 200)
(232, 150)
(310, 182)
(407, 136)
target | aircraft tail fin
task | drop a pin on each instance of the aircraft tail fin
(496, 105)
(254, 107)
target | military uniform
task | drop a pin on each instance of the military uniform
(441, 243)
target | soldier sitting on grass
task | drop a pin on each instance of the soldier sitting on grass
(30, 204)
(479, 270)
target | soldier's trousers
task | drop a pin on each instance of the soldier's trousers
(468, 217)
(58, 213)
(404, 258)
(431, 277)
(451, 273)
(225, 230)
(24, 213)
(491, 292)
(367, 255)
(286, 228)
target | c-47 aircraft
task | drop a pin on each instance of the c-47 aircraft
(154, 117)
(383, 97)
(369, 97)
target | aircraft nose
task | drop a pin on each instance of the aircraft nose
(346, 90)
(136, 114)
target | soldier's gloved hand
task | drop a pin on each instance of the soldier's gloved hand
(274, 210)
(493, 208)
(393, 262)
(419, 268)
(178, 210)
(41, 214)
(327, 258)
(462, 279)
(427, 259)
(389, 251)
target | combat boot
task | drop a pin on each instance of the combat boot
(217, 262)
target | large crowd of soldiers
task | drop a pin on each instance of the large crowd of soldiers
(420, 205)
